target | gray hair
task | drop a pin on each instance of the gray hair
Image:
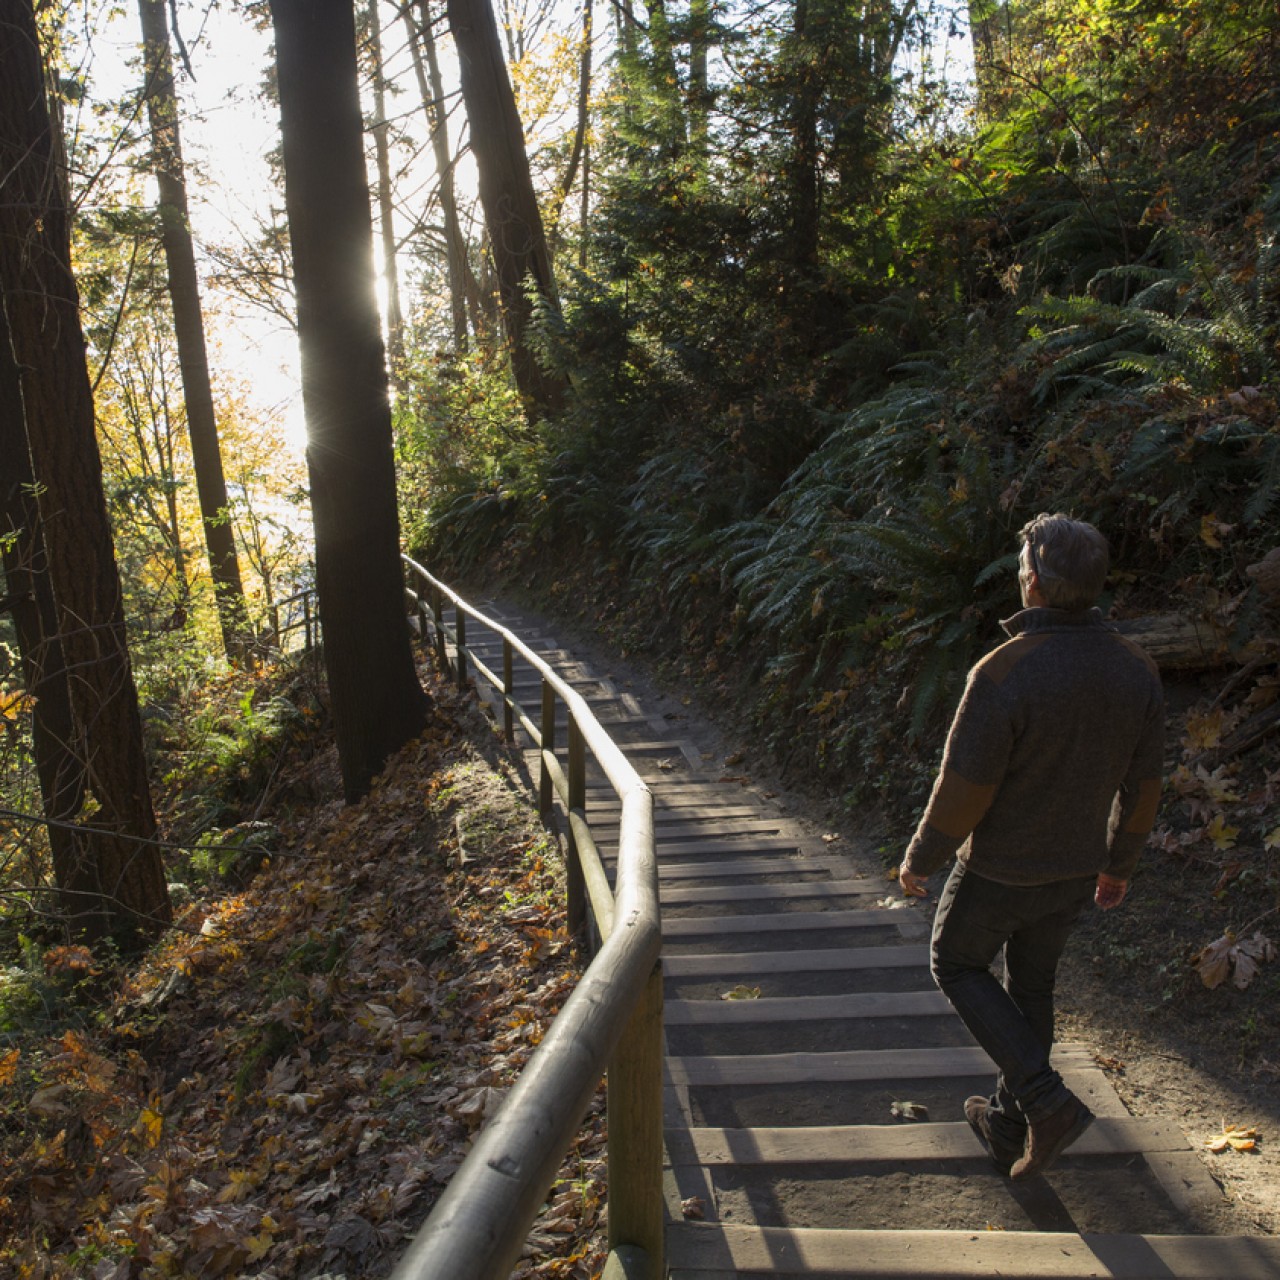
(1070, 559)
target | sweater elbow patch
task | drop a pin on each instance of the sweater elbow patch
(1143, 817)
(958, 805)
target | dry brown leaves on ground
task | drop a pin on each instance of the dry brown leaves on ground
(287, 1084)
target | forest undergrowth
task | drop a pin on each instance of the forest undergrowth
(285, 1084)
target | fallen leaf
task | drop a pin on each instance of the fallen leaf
(1227, 956)
(1204, 731)
(9, 1065)
(694, 1207)
(150, 1126)
(1222, 835)
(1219, 786)
(50, 1101)
(1213, 530)
(741, 993)
(909, 1111)
(1236, 1137)
(1213, 963)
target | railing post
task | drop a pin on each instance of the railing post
(546, 790)
(508, 690)
(437, 617)
(575, 884)
(635, 1130)
(460, 633)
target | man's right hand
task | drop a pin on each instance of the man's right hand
(1110, 891)
(912, 885)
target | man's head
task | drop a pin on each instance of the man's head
(1064, 560)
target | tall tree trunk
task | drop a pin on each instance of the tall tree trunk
(386, 214)
(989, 31)
(625, 27)
(457, 268)
(48, 343)
(377, 702)
(516, 235)
(804, 146)
(585, 209)
(699, 89)
(35, 624)
(188, 324)
(580, 132)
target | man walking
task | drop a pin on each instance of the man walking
(1048, 789)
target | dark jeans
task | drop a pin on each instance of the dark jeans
(977, 919)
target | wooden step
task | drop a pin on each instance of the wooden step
(851, 1064)
(775, 892)
(898, 1143)
(716, 867)
(867, 1004)
(905, 920)
(752, 963)
(701, 1250)
(691, 807)
(716, 844)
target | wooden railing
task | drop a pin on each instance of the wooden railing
(306, 620)
(611, 1023)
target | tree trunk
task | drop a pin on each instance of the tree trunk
(578, 148)
(188, 324)
(456, 266)
(989, 33)
(35, 624)
(516, 235)
(386, 216)
(699, 87)
(804, 149)
(377, 702)
(48, 343)
(1179, 642)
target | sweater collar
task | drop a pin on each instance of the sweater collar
(1028, 621)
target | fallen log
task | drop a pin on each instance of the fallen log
(1178, 642)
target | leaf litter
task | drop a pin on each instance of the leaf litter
(342, 1029)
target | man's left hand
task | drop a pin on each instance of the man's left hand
(913, 886)
(1110, 891)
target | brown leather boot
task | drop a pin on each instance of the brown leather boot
(1003, 1154)
(1048, 1139)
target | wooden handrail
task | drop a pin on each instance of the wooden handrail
(612, 1022)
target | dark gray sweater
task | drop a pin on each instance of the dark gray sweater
(1052, 766)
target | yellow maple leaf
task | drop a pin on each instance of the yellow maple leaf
(13, 705)
(258, 1246)
(1204, 731)
(9, 1065)
(1212, 530)
(150, 1126)
(240, 1187)
(1222, 835)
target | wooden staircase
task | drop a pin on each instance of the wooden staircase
(801, 1019)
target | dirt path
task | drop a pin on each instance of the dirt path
(1153, 1099)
